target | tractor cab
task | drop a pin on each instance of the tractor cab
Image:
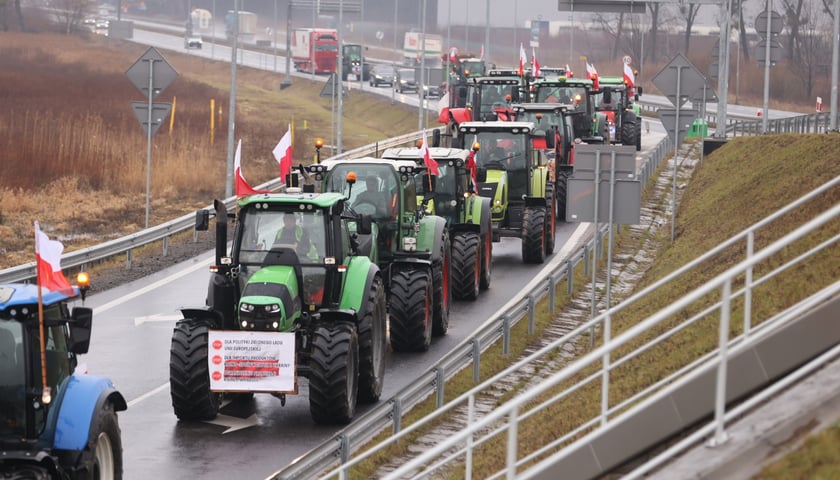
(589, 125)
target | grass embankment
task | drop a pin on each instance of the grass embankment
(74, 154)
(741, 183)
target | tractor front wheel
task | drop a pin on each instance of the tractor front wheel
(334, 374)
(560, 189)
(533, 235)
(411, 310)
(466, 265)
(372, 343)
(628, 132)
(189, 374)
(103, 460)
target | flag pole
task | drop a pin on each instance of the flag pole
(46, 395)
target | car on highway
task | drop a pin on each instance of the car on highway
(435, 91)
(405, 80)
(193, 41)
(382, 74)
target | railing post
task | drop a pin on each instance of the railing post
(569, 278)
(721, 436)
(586, 259)
(512, 450)
(476, 353)
(531, 315)
(552, 287)
(470, 418)
(345, 448)
(165, 246)
(396, 412)
(128, 259)
(748, 281)
(505, 336)
(605, 377)
(440, 383)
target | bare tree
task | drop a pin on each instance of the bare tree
(689, 14)
(793, 16)
(69, 13)
(742, 31)
(654, 28)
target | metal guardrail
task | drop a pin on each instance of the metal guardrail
(728, 295)
(125, 245)
(466, 354)
(813, 123)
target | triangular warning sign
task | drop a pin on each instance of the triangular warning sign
(330, 86)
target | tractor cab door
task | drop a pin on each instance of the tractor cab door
(12, 382)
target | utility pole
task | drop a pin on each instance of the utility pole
(340, 79)
(232, 107)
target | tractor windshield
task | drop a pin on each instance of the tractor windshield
(19, 348)
(12, 384)
(446, 189)
(375, 193)
(564, 94)
(504, 151)
(284, 234)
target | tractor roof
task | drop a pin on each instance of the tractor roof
(496, 126)
(321, 200)
(611, 80)
(542, 107)
(23, 294)
(563, 81)
(330, 164)
(413, 154)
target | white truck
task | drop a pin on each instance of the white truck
(413, 46)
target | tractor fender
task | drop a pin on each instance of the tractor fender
(203, 313)
(431, 234)
(536, 202)
(539, 179)
(477, 215)
(221, 297)
(357, 281)
(629, 116)
(82, 396)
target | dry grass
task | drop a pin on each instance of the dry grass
(75, 155)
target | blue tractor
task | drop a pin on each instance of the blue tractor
(55, 422)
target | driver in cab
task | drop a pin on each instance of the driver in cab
(372, 196)
(296, 236)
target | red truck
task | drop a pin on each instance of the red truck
(315, 50)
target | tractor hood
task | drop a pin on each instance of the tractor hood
(270, 300)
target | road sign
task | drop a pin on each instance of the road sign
(626, 189)
(668, 117)
(679, 70)
(627, 59)
(159, 113)
(776, 24)
(602, 6)
(775, 52)
(162, 73)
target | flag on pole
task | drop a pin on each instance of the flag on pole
(523, 59)
(535, 67)
(472, 166)
(283, 153)
(629, 77)
(592, 74)
(481, 54)
(430, 162)
(453, 54)
(48, 260)
(242, 186)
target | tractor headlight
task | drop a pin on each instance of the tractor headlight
(273, 308)
(246, 307)
(409, 244)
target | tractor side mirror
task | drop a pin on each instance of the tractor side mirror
(549, 138)
(514, 94)
(80, 324)
(202, 220)
(638, 92)
(363, 224)
(435, 138)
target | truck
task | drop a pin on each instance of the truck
(293, 298)
(315, 50)
(413, 49)
(56, 422)
(247, 23)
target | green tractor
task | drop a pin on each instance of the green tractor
(452, 195)
(412, 248)
(293, 298)
(590, 126)
(513, 171)
(624, 116)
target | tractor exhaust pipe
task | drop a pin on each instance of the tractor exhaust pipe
(221, 230)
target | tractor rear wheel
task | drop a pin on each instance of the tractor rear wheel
(533, 235)
(638, 134)
(103, 461)
(189, 374)
(560, 188)
(486, 258)
(628, 132)
(550, 219)
(411, 310)
(372, 343)
(442, 271)
(466, 265)
(334, 374)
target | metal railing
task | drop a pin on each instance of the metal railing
(465, 355)
(712, 305)
(812, 123)
(82, 258)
